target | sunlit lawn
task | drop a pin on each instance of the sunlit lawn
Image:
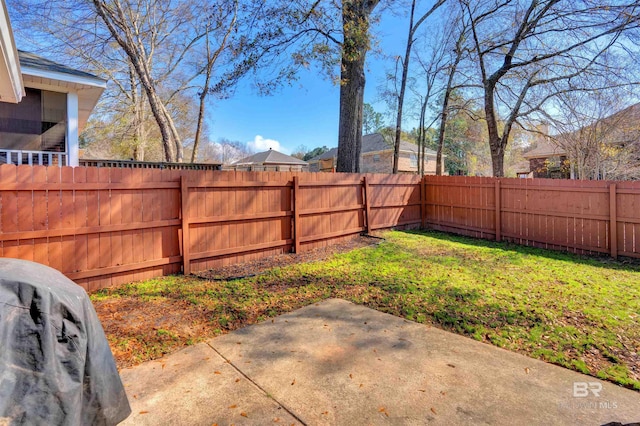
(578, 312)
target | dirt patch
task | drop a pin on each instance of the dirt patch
(146, 328)
(139, 330)
(259, 266)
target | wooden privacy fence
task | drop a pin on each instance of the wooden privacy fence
(234, 215)
(578, 216)
(105, 226)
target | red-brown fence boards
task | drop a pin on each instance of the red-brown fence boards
(330, 206)
(557, 214)
(106, 226)
(395, 200)
(577, 216)
(461, 205)
(628, 218)
(98, 226)
(234, 218)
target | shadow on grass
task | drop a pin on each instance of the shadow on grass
(454, 308)
(602, 261)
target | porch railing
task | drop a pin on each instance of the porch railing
(131, 164)
(33, 158)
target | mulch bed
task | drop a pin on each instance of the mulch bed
(256, 267)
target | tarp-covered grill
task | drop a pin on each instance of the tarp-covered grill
(56, 367)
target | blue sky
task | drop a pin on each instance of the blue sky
(305, 113)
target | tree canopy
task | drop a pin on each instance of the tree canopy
(514, 62)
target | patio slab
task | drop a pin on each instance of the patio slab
(336, 363)
(196, 386)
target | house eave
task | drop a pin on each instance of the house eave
(11, 87)
(67, 78)
(88, 90)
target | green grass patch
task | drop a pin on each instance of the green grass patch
(578, 312)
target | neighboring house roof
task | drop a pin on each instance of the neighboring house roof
(618, 128)
(332, 153)
(621, 127)
(374, 142)
(44, 74)
(629, 113)
(544, 150)
(523, 167)
(11, 88)
(271, 157)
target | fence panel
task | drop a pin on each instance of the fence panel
(462, 205)
(394, 201)
(98, 226)
(556, 214)
(578, 216)
(235, 217)
(331, 208)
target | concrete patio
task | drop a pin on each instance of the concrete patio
(336, 363)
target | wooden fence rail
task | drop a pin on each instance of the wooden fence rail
(584, 217)
(105, 226)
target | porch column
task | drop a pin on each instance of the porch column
(72, 129)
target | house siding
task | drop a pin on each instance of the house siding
(369, 165)
(385, 164)
(539, 168)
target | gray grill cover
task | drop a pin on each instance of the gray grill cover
(56, 367)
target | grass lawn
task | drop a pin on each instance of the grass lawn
(578, 312)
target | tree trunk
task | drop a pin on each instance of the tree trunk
(355, 23)
(443, 125)
(421, 138)
(175, 136)
(196, 140)
(140, 139)
(405, 72)
(403, 88)
(497, 160)
(114, 19)
(350, 126)
(136, 101)
(495, 141)
(157, 109)
(447, 96)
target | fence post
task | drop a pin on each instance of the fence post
(296, 215)
(498, 198)
(186, 243)
(613, 221)
(423, 203)
(367, 205)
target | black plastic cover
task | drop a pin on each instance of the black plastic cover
(56, 367)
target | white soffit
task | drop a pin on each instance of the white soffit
(88, 95)
(11, 88)
(44, 74)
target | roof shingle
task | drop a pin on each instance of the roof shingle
(271, 157)
(30, 60)
(374, 142)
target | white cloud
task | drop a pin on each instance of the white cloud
(259, 144)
